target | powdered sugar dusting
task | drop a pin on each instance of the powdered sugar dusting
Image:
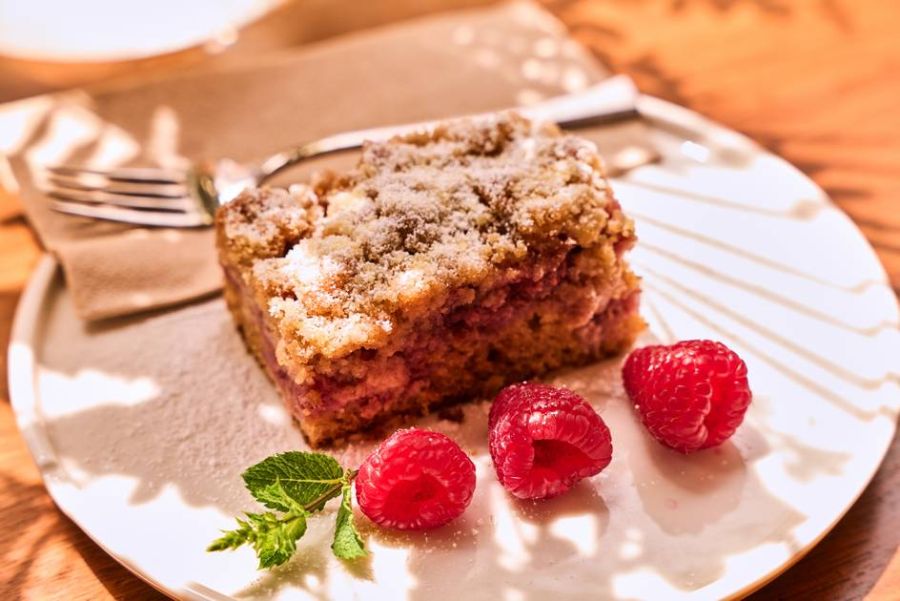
(419, 216)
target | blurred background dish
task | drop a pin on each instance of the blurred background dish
(44, 45)
(53, 31)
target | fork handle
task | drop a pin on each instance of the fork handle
(613, 99)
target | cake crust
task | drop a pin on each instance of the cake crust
(444, 265)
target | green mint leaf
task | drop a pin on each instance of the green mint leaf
(274, 496)
(310, 479)
(347, 542)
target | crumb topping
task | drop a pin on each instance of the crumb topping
(341, 262)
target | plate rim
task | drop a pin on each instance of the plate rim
(26, 327)
(21, 374)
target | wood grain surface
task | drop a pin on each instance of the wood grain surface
(816, 81)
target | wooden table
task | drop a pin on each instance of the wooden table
(817, 81)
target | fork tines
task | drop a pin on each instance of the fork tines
(148, 175)
(133, 216)
(143, 196)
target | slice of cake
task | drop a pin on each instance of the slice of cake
(445, 265)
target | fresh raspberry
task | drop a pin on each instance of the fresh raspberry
(691, 395)
(545, 439)
(415, 480)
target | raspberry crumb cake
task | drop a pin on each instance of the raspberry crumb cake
(443, 266)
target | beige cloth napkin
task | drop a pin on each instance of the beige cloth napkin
(445, 65)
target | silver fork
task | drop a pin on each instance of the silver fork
(167, 198)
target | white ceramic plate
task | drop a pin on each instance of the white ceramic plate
(142, 427)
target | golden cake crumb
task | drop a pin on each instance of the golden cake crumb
(424, 224)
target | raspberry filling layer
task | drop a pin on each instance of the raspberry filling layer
(458, 341)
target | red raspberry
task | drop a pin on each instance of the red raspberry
(415, 480)
(691, 395)
(544, 439)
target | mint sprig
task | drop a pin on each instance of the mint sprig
(295, 485)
